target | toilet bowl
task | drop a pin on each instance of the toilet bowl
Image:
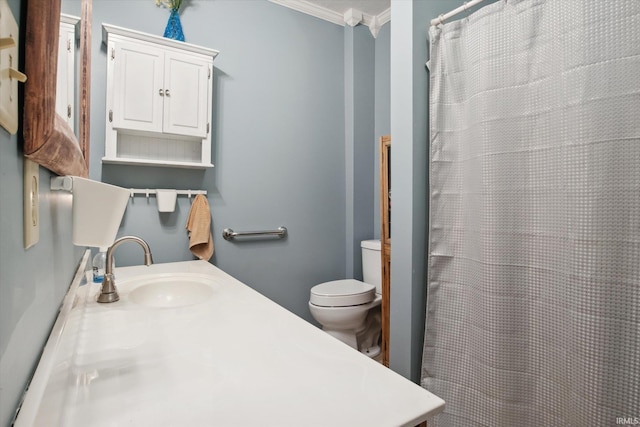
(348, 309)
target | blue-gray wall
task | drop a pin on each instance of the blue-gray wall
(33, 282)
(277, 146)
(408, 184)
(359, 142)
(409, 177)
(280, 90)
(382, 121)
(280, 148)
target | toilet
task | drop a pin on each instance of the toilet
(349, 309)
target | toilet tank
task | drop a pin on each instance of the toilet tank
(372, 263)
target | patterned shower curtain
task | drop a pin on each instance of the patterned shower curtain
(533, 307)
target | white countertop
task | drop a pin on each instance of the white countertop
(236, 359)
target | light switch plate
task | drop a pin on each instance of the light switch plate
(31, 205)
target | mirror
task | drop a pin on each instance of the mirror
(48, 140)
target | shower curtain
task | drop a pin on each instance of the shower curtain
(533, 306)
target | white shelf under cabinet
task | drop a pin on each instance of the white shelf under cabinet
(143, 162)
(159, 100)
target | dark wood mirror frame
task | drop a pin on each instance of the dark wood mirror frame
(48, 140)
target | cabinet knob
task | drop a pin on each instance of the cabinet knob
(161, 92)
(166, 92)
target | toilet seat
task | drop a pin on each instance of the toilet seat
(342, 293)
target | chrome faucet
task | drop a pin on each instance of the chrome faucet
(108, 292)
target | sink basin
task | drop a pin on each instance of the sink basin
(171, 292)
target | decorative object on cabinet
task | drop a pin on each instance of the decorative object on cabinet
(159, 100)
(385, 239)
(174, 26)
(9, 74)
(173, 29)
(48, 140)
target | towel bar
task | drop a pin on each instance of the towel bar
(229, 234)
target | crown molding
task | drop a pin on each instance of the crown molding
(375, 22)
(352, 17)
(312, 9)
(384, 16)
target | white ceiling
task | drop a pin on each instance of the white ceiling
(372, 13)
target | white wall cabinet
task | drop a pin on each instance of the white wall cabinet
(159, 100)
(65, 84)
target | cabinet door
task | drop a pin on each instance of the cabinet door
(65, 92)
(138, 92)
(186, 93)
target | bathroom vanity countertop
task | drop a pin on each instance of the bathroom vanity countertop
(234, 359)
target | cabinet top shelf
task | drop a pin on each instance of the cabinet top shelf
(108, 29)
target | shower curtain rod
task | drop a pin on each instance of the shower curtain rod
(440, 19)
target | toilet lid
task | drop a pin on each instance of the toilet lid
(342, 293)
